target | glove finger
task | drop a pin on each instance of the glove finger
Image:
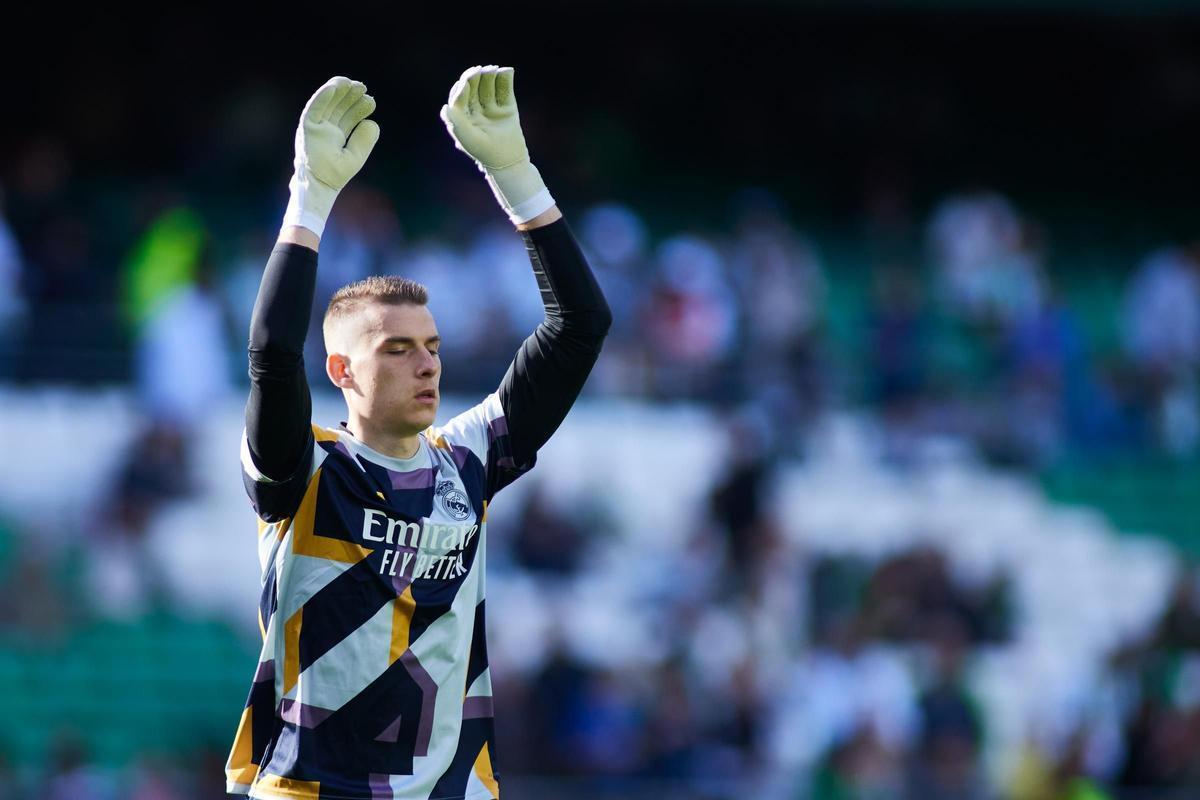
(473, 95)
(318, 106)
(362, 140)
(357, 113)
(459, 94)
(504, 87)
(354, 93)
(487, 88)
(468, 73)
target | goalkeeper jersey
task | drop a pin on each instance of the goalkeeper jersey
(372, 615)
(373, 677)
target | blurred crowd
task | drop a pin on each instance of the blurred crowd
(962, 327)
(772, 670)
(825, 678)
(788, 673)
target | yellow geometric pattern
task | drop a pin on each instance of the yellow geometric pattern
(291, 650)
(241, 767)
(307, 542)
(324, 435)
(402, 613)
(301, 790)
(483, 771)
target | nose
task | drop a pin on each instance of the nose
(429, 365)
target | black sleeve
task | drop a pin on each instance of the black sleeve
(279, 411)
(552, 364)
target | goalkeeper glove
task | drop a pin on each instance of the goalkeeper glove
(481, 116)
(333, 141)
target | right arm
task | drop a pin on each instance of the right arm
(278, 413)
(333, 141)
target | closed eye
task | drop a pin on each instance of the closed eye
(404, 344)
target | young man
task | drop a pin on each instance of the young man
(373, 680)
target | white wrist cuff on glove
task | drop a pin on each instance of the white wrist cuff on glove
(309, 204)
(520, 190)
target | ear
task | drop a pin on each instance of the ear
(337, 367)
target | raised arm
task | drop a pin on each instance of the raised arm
(552, 365)
(333, 140)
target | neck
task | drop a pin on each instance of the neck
(389, 442)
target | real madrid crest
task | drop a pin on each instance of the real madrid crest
(453, 501)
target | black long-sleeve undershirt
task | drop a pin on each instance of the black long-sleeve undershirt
(279, 410)
(552, 365)
(538, 390)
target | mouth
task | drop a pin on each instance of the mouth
(427, 396)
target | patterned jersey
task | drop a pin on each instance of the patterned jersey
(373, 678)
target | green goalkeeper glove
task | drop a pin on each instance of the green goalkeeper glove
(482, 118)
(333, 141)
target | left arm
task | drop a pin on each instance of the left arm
(553, 363)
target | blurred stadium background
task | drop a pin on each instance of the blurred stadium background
(886, 485)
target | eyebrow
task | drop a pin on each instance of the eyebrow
(410, 340)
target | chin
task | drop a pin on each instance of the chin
(425, 417)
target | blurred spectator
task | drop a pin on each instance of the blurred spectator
(165, 258)
(1049, 382)
(897, 351)
(547, 538)
(184, 364)
(1162, 732)
(33, 597)
(782, 295)
(13, 306)
(158, 779)
(179, 324)
(673, 728)
(70, 297)
(947, 766)
(241, 272)
(1161, 314)
(1160, 328)
(72, 776)
(121, 573)
(691, 319)
(985, 269)
(155, 469)
(119, 568)
(910, 592)
(616, 243)
(560, 686)
(51, 253)
(738, 501)
(845, 686)
(513, 306)
(861, 768)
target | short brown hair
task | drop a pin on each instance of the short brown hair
(388, 289)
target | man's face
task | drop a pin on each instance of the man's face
(394, 366)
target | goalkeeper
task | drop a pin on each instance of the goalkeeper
(373, 679)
